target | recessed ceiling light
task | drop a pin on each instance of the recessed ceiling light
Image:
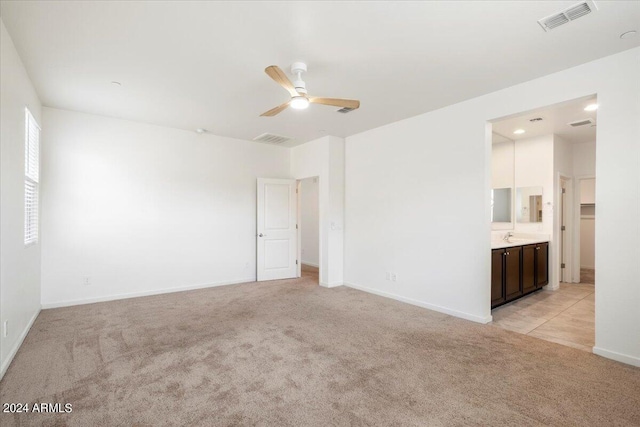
(519, 131)
(299, 103)
(591, 107)
(628, 34)
(116, 83)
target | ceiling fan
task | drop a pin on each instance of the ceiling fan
(298, 91)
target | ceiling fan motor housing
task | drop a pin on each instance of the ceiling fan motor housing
(297, 68)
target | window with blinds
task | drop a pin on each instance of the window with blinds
(31, 178)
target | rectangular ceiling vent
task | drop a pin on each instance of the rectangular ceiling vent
(582, 122)
(569, 14)
(345, 110)
(270, 138)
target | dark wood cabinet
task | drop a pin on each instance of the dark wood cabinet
(517, 271)
(512, 285)
(497, 290)
(528, 268)
(542, 264)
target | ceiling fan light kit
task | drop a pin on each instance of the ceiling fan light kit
(299, 103)
(298, 91)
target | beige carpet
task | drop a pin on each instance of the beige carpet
(291, 353)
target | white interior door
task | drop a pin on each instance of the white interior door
(277, 240)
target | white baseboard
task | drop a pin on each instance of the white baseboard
(16, 347)
(105, 298)
(311, 264)
(455, 313)
(331, 285)
(619, 357)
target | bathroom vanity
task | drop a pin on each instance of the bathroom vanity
(518, 267)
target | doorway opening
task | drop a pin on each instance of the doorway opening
(309, 229)
(544, 162)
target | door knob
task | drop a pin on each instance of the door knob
(262, 235)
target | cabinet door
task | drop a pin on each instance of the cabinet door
(497, 290)
(512, 272)
(528, 268)
(542, 264)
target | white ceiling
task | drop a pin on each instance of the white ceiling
(200, 64)
(555, 120)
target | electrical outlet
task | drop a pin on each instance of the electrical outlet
(302, 251)
(388, 276)
(86, 280)
(5, 328)
(394, 277)
(246, 265)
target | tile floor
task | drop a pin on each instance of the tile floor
(565, 316)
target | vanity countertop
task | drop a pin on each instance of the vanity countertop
(500, 244)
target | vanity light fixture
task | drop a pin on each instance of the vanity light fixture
(591, 107)
(519, 131)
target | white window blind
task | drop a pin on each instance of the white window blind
(31, 178)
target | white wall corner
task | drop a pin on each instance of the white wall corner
(331, 285)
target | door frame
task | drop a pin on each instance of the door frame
(566, 245)
(299, 226)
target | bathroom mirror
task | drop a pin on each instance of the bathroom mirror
(528, 204)
(501, 205)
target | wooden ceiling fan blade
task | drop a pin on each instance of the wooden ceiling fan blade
(276, 110)
(281, 78)
(336, 102)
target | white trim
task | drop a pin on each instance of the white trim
(455, 313)
(310, 264)
(299, 226)
(619, 357)
(16, 347)
(70, 303)
(332, 285)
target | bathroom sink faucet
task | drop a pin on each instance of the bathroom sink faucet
(507, 236)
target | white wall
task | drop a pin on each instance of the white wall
(584, 159)
(142, 209)
(417, 200)
(534, 168)
(324, 158)
(19, 265)
(587, 242)
(502, 175)
(309, 221)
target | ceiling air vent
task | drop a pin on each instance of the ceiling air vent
(345, 110)
(569, 14)
(270, 138)
(581, 122)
